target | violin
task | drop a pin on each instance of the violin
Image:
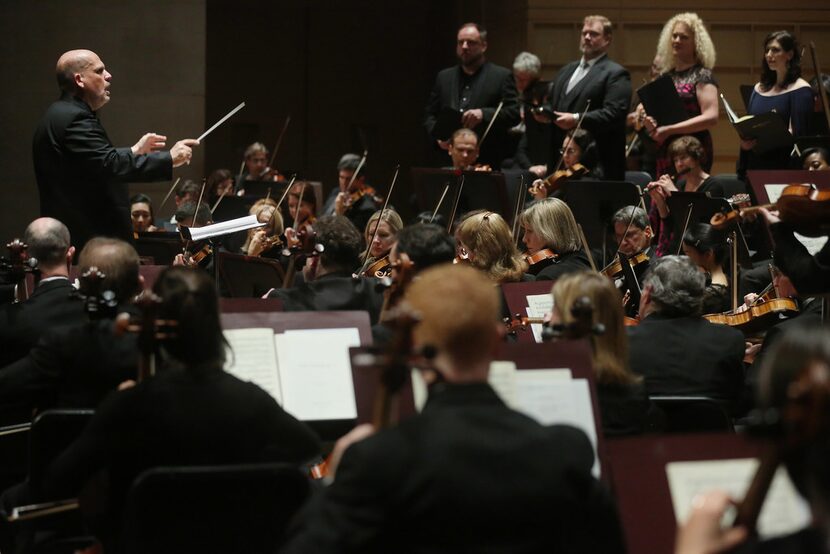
(200, 258)
(541, 256)
(354, 196)
(800, 205)
(614, 269)
(380, 268)
(401, 274)
(557, 179)
(765, 312)
(520, 323)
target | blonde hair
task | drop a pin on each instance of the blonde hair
(260, 207)
(459, 310)
(390, 217)
(554, 222)
(704, 47)
(607, 27)
(488, 238)
(610, 349)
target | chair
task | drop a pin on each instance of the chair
(212, 509)
(247, 276)
(52, 431)
(639, 178)
(732, 185)
(691, 414)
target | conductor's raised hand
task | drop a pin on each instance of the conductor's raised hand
(151, 142)
(182, 151)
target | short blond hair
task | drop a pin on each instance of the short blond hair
(487, 236)
(607, 27)
(554, 222)
(704, 47)
(459, 312)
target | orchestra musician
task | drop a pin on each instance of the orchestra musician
(578, 149)
(388, 223)
(353, 198)
(483, 239)
(782, 90)
(534, 151)
(463, 149)
(475, 87)
(706, 247)
(603, 82)
(261, 240)
(636, 238)
(623, 402)
(82, 178)
(467, 473)
(549, 225)
(301, 212)
(256, 166)
(192, 413)
(815, 159)
(141, 214)
(687, 55)
(219, 183)
(641, 150)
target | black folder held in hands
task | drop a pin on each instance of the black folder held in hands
(661, 101)
(767, 129)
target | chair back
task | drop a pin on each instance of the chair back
(690, 414)
(53, 431)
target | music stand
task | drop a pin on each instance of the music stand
(245, 305)
(259, 189)
(594, 203)
(233, 207)
(158, 248)
(482, 191)
(247, 276)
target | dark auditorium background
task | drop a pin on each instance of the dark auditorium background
(338, 68)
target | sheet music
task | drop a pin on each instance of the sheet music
(419, 389)
(538, 305)
(254, 359)
(550, 397)
(502, 378)
(315, 373)
(812, 244)
(784, 511)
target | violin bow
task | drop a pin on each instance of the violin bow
(277, 145)
(455, 204)
(380, 218)
(489, 125)
(585, 247)
(570, 136)
(440, 201)
(285, 192)
(357, 171)
(627, 228)
(520, 203)
(685, 227)
(169, 192)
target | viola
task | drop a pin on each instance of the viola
(401, 273)
(557, 179)
(801, 205)
(765, 312)
(199, 258)
(354, 196)
(541, 256)
(380, 268)
(520, 323)
(614, 269)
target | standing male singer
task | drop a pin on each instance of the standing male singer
(81, 176)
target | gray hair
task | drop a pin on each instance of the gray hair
(350, 162)
(677, 286)
(48, 241)
(623, 215)
(526, 62)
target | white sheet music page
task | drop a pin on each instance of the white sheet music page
(812, 244)
(502, 378)
(538, 306)
(254, 359)
(784, 511)
(316, 374)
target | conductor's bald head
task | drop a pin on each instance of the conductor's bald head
(83, 74)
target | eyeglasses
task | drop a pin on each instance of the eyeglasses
(568, 151)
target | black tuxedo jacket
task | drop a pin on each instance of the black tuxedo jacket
(466, 475)
(82, 177)
(493, 85)
(687, 356)
(608, 86)
(53, 304)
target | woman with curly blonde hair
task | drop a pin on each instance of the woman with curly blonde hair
(687, 56)
(485, 241)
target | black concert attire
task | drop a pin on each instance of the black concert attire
(467, 474)
(808, 273)
(82, 177)
(665, 238)
(483, 90)
(625, 409)
(535, 147)
(687, 356)
(607, 85)
(359, 213)
(334, 291)
(569, 262)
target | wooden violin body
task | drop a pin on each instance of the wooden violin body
(757, 318)
(542, 255)
(614, 269)
(379, 268)
(557, 179)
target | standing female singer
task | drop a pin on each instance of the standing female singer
(388, 224)
(259, 240)
(624, 405)
(484, 240)
(552, 240)
(782, 90)
(687, 55)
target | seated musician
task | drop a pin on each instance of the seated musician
(635, 238)
(328, 282)
(706, 247)
(256, 166)
(815, 159)
(188, 216)
(353, 197)
(54, 302)
(141, 214)
(581, 150)
(187, 192)
(483, 239)
(263, 239)
(463, 149)
(219, 183)
(623, 402)
(191, 413)
(678, 352)
(687, 155)
(75, 367)
(549, 225)
(380, 243)
(807, 461)
(467, 474)
(809, 273)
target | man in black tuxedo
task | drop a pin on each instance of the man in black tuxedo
(467, 474)
(81, 176)
(677, 351)
(54, 302)
(607, 85)
(474, 88)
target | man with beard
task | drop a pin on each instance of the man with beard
(474, 88)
